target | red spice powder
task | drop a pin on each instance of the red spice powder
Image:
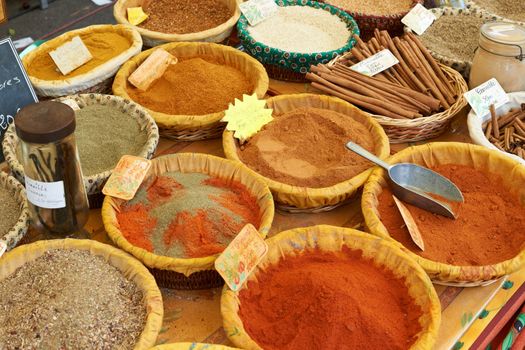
(488, 230)
(329, 301)
(136, 225)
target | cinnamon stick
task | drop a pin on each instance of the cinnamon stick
(495, 127)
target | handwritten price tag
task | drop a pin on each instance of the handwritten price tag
(257, 11)
(490, 92)
(376, 64)
(127, 177)
(241, 256)
(418, 19)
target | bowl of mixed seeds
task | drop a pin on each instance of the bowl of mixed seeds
(77, 294)
(14, 212)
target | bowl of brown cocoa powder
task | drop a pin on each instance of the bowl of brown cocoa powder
(14, 212)
(182, 20)
(327, 287)
(301, 154)
(487, 239)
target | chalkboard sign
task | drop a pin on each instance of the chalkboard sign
(16, 90)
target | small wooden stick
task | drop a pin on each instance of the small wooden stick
(488, 130)
(495, 127)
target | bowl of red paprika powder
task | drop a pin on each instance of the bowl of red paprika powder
(327, 287)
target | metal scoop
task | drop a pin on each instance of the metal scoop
(416, 185)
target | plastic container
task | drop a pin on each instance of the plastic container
(56, 194)
(500, 55)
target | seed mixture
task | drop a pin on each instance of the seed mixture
(187, 215)
(306, 147)
(185, 16)
(375, 7)
(455, 37)
(104, 134)
(488, 230)
(194, 86)
(511, 9)
(302, 29)
(320, 300)
(9, 211)
(70, 299)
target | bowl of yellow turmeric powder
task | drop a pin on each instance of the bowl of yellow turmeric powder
(110, 46)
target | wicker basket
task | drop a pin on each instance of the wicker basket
(334, 239)
(130, 267)
(94, 183)
(461, 66)
(196, 127)
(513, 174)
(293, 66)
(314, 200)
(152, 38)
(18, 231)
(197, 273)
(192, 346)
(369, 22)
(99, 79)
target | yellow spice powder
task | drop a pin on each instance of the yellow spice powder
(103, 47)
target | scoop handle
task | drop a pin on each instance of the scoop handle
(354, 147)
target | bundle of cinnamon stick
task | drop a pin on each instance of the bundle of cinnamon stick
(507, 132)
(413, 88)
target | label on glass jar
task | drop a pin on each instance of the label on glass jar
(376, 64)
(48, 195)
(489, 93)
(418, 19)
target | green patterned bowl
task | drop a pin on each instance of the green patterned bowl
(293, 66)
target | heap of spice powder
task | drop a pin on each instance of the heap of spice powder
(374, 7)
(306, 147)
(488, 230)
(511, 9)
(302, 29)
(187, 215)
(70, 299)
(454, 37)
(103, 46)
(320, 300)
(9, 211)
(194, 86)
(104, 134)
(185, 16)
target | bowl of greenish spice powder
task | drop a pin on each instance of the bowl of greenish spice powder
(77, 294)
(14, 212)
(453, 37)
(107, 127)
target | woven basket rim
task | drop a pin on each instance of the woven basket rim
(230, 302)
(145, 119)
(179, 121)
(429, 265)
(230, 147)
(247, 40)
(18, 231)
(180, 265)
(120, 7)
(360, 15)
(154, 306)
(111, 65)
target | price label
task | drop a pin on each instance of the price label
(257, 11)
(70, 55)
(418, 19)
(489, 93)
(136, 15)
(376, 64)
(126, 178)
(241, 256)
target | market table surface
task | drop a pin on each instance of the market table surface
(194, 316)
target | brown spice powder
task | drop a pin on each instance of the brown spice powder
(194, 86)
(70, 299)
(306, 147)
(9, 211)
(185, 16)
(488, 230)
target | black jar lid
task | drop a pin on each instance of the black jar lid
(45, 122)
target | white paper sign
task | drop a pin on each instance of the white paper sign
(376, 64)
(257, 11)
(70, 55)
(418, 19)
(49, 195)
(24, 42)
(490, 92)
